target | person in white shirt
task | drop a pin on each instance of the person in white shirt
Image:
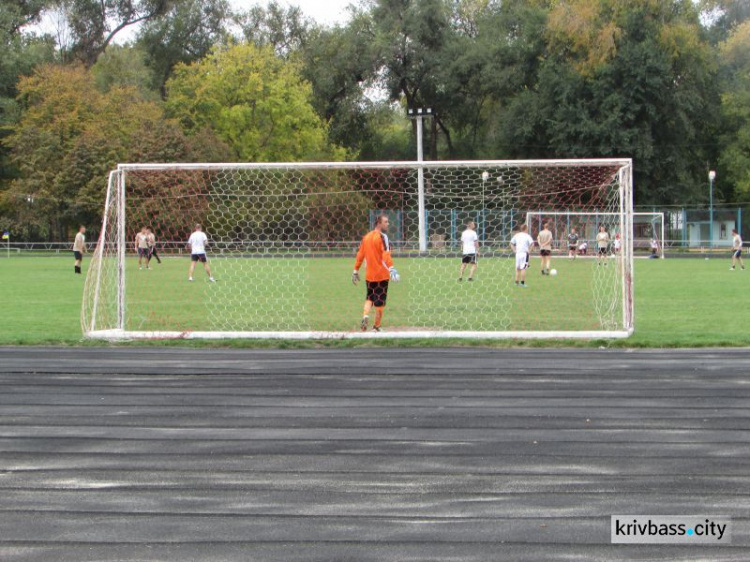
(521, 244)
(141, 246)
(602, 245)
(617, 244)
(198, 242)
(470, 244)
(79, 248)
(654, 249)
(736, 250)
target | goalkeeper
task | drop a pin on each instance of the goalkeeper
(376, 251)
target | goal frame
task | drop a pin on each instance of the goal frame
(118, 187)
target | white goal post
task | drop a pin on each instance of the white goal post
(647, 228)
(282, 240)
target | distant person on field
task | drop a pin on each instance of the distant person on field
(583, 248)
(654, 249)
(198, 242)
(141, 246)
(572, 243)
(736, 250)
(79, 248)
(151, 247)
(470, 245)
(544, 239)
(602, 245)
(617, 244)
(521, 244)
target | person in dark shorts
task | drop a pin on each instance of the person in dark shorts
(544, 239)
(141, 246)
(151, 248)
(470, 247)
(79, 248)
(375, 251)
(198, 242)
(572, 243)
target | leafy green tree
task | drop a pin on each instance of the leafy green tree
(254, 100)
(71, 134)
(95, 23)
(735, 156)
(185, 34)
(623, 79)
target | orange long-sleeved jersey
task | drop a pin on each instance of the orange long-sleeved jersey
(376, 251)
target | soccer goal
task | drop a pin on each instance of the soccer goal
(647, 230)
(282, 239)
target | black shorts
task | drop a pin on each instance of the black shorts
(469, 258)
(198, 257)
(143, 252)
(737, 254)
(602, 251)
(377, 292)
(545, 252)
(78, 255)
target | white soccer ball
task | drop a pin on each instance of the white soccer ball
(553, 272)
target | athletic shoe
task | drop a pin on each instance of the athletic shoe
(363, 324)
(376, 328)
(460, 279)
(731, 268)
(471, 279)
(212, 280)
(190, 278)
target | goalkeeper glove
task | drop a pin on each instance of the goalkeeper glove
(355, 277)
(395, 277)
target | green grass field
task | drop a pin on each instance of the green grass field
(679, 302)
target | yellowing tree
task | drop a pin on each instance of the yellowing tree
(255, 101)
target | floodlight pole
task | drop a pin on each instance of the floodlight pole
(711, 178)
(418, 114)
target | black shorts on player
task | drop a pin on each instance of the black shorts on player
(737, 254)
(602, 251)
(143, 252)
(377, 292)
(469, 258)
(198, 257)
(545, 252)
(77, 255)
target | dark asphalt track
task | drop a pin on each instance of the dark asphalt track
(366, 454)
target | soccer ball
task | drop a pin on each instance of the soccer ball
(553, 272)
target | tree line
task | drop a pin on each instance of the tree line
(666, 82)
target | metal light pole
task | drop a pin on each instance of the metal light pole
(418, 114)
(711, 178)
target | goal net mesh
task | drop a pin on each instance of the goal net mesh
(283, 237)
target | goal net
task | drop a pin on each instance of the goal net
(647, 231)
(282, 240)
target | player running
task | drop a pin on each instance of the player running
(79, 248)
(736, 250)
(470, 243)
(376, 251)
(141, 246)
(198, 242)
(572, 243)
(544, 239)
(151, 248)
(521, 244)
(602, 245)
